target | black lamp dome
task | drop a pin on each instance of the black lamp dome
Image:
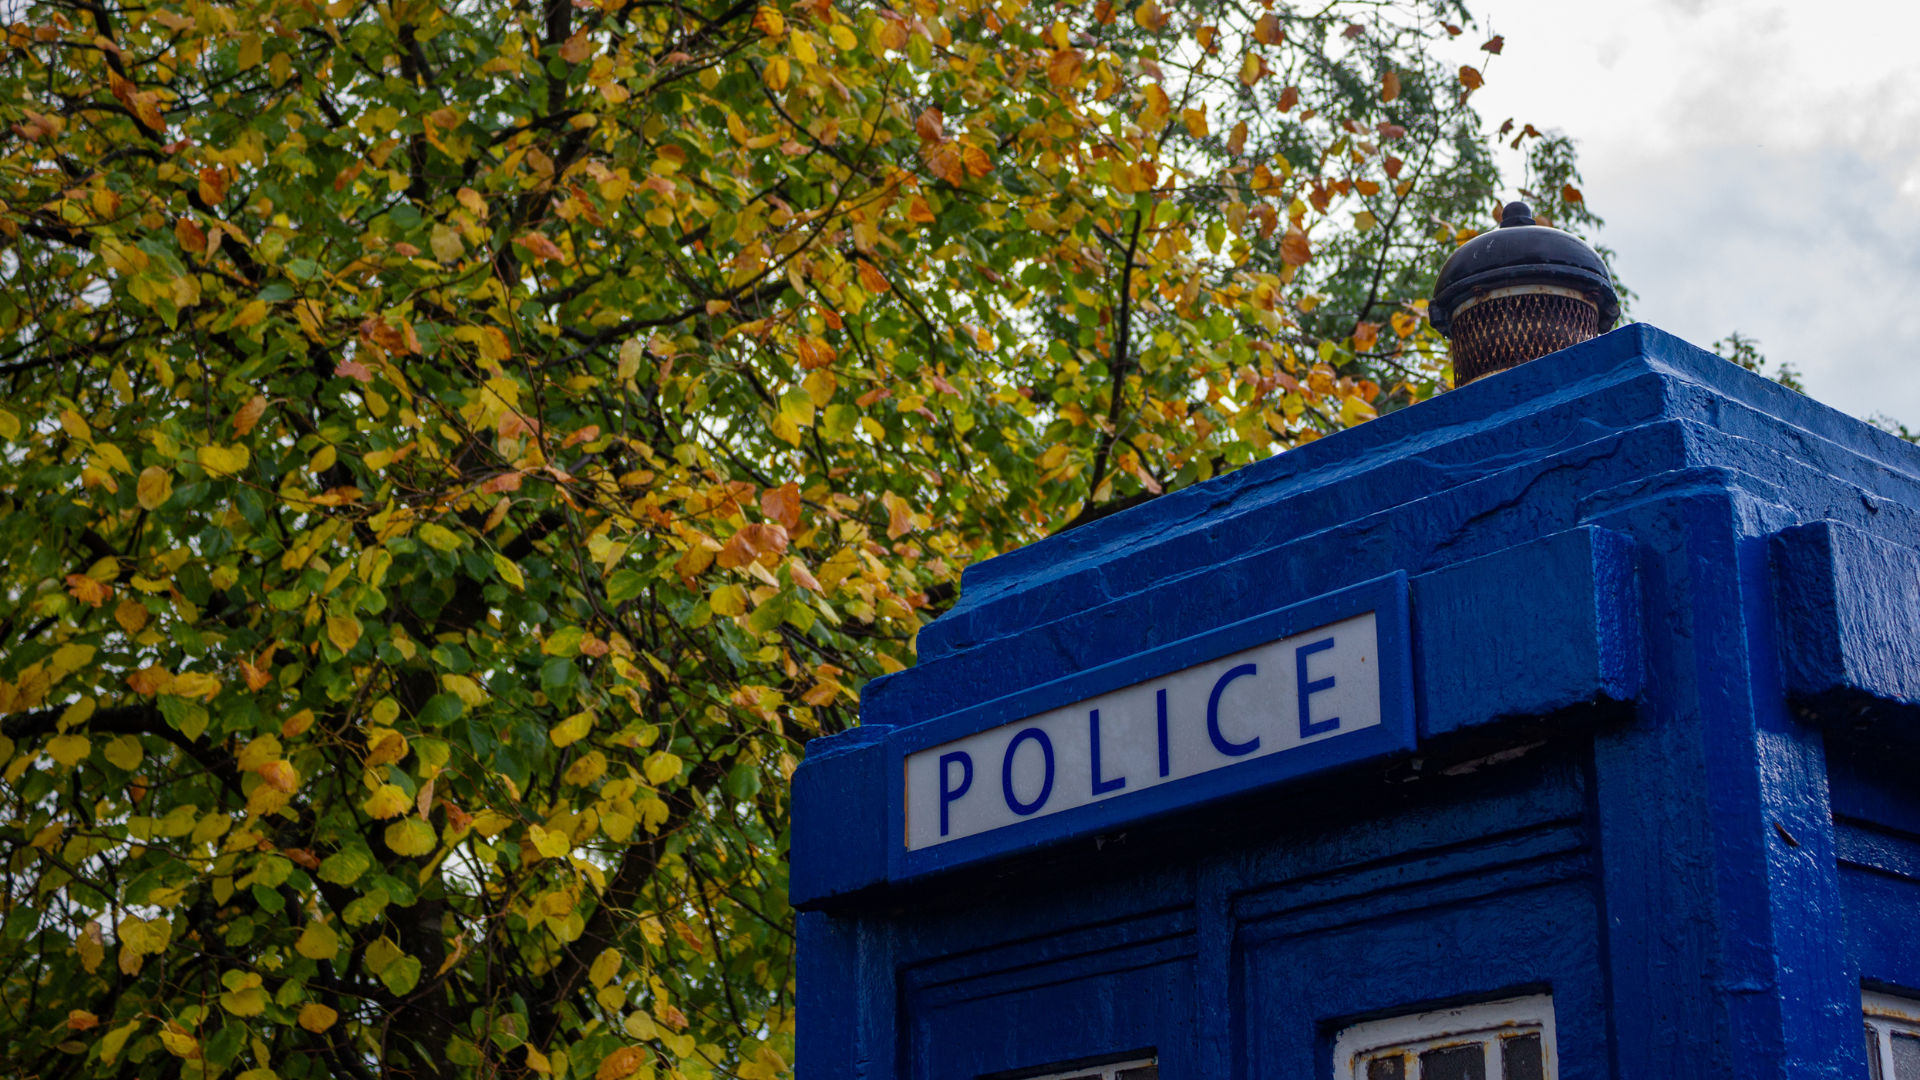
(1542, 288)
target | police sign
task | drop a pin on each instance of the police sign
(1290, 692)
(1270, 699)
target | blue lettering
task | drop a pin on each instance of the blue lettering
(1006, 772)
(1220, 743)
(1100, 787)
(948, 793)
(1310, 727)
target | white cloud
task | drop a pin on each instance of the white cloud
(1758, 164)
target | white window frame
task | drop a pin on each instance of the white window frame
(1484, 1023)
(1886, 1014)
(1103, 1072)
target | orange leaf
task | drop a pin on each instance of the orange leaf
(213, 184)
(189, 234)
(782, 504)
(918, 211)
(620, 1064)
(1294, 250)
(354, 369)
(249, 414)
(88, 590)
(149, 681)
(930, 125)
(388, 338)
(1267, 30)
(1390, 86)
(1289, 98)
(1365, 335)
(280, 776)
(1495, 44)
(803, 577)
(946, 161)
(1064, 68)
(977, 161)
(899, 516)
(578, 48)
(750, 543)
(1237, 139)
(1570, 193)
(541, 248)
(870, 278)
(1471, 78)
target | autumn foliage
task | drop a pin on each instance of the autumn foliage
(455, 454)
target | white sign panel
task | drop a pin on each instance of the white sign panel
(1269, 699)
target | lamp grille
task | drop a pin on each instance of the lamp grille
(1505, 331)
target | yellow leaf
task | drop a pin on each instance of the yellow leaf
(112, 1042)
(777, 73)
(509, 572)
(249, 1002)
(124, 752)
(68, 750)
(154, 487)
(343, 631)
(1251, 69)
(9, 425)
(179, 1043)
(465, 689)
(410, 837)
(249, 51)
(439, 537)
(769, 22)
(111, 456)
(661, 767)
(75, 426)
(386, 801)
(605, 967)
(316, 1017)
(318, 942)
(553, 845)
(572, 729)
(222, 460)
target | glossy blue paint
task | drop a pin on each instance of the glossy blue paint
(1662, 679)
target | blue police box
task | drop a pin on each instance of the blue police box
(1559, 726)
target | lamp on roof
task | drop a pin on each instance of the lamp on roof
(1518, 293)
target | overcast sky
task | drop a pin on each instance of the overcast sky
(1758, 165)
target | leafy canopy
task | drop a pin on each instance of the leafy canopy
(456, 452)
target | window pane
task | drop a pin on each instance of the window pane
(1520, 1058)
(1387, 1068)
(1144, 1072)
(1906, 1056)
(1873, 1054)
(1462, 1063)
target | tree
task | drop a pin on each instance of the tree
(456, 454)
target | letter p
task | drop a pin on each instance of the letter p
(948, 793)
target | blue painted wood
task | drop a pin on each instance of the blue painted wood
(1850, 615)
(1635, 572)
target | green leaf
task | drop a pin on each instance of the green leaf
(345, 866)
(625, 585)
